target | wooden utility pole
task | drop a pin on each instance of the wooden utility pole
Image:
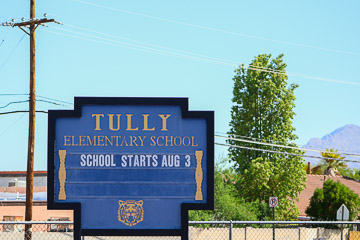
(32, 24)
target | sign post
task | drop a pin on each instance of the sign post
(273, 202)
(341, 215)
(131, 166)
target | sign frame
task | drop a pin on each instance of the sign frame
(342, 216)
(143, 101)
(277, 202)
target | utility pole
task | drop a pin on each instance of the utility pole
(32, 24)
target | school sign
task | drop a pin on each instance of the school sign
(130, 166)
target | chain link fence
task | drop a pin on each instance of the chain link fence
(204, 230)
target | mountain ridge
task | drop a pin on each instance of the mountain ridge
(343, 139)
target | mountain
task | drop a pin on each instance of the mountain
(345, 139)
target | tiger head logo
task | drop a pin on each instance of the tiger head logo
(130, 212)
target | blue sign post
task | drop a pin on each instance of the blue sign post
(131, 166)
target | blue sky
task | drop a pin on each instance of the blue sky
(178, 49)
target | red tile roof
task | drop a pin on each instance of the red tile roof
(316, 181)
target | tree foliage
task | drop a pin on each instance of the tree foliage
(263, 110)
(330, 164)
(327, 200)
(351, 173)
(228, 204)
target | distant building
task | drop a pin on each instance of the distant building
(13, 195)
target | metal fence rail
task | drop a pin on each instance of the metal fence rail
(203, 230)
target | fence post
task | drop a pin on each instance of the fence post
(230, 230)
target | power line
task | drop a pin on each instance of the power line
(284, 153)
(7, 129)
(218, 30)
(167, 48)
(57, 100)
(280, 143)
(192, 57)
(51, 102)
(10, 103)
(160, 52)
(3, 40)
(284, 146)
(12, 52)
(149, 44)
(22, 111)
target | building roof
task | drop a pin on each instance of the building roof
(21, 173)
(316, 181)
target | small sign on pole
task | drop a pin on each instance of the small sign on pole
(273, 201)
(342, 213)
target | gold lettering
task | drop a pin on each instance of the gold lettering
(117, 140)
(193, 142)
(152, 139)
(186, 145)
(82, 141)
(157, 141)
(177, 137)
(146, 123)
(164, 118)
(142, 140)
(111, 122)
(107, 140)
(124, 140)
(133, 140)
(129, 128)
(66, 139)
(97, 118)
(167, 141)
(88, 142)
(100, 140)
(73, 141)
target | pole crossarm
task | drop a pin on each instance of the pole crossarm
(33, 22)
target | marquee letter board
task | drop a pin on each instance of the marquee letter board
(130, 166)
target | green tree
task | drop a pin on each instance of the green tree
(228, 204)
(327, 200)
(351, 173)
(263, 110)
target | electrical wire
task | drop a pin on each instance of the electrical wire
(140, 49)
(152, 49)
(57, 100)
(284, 146)
(252, 138)
(218, 30)
(166, 48)
(7, 129)
(148, 44)
(10, 103)
(17, 45)
(284, 153)
(281, 143)
(3, 40)
(192, 57)
(54, 103)
(22, 111)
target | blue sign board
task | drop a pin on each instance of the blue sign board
(131, 166)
